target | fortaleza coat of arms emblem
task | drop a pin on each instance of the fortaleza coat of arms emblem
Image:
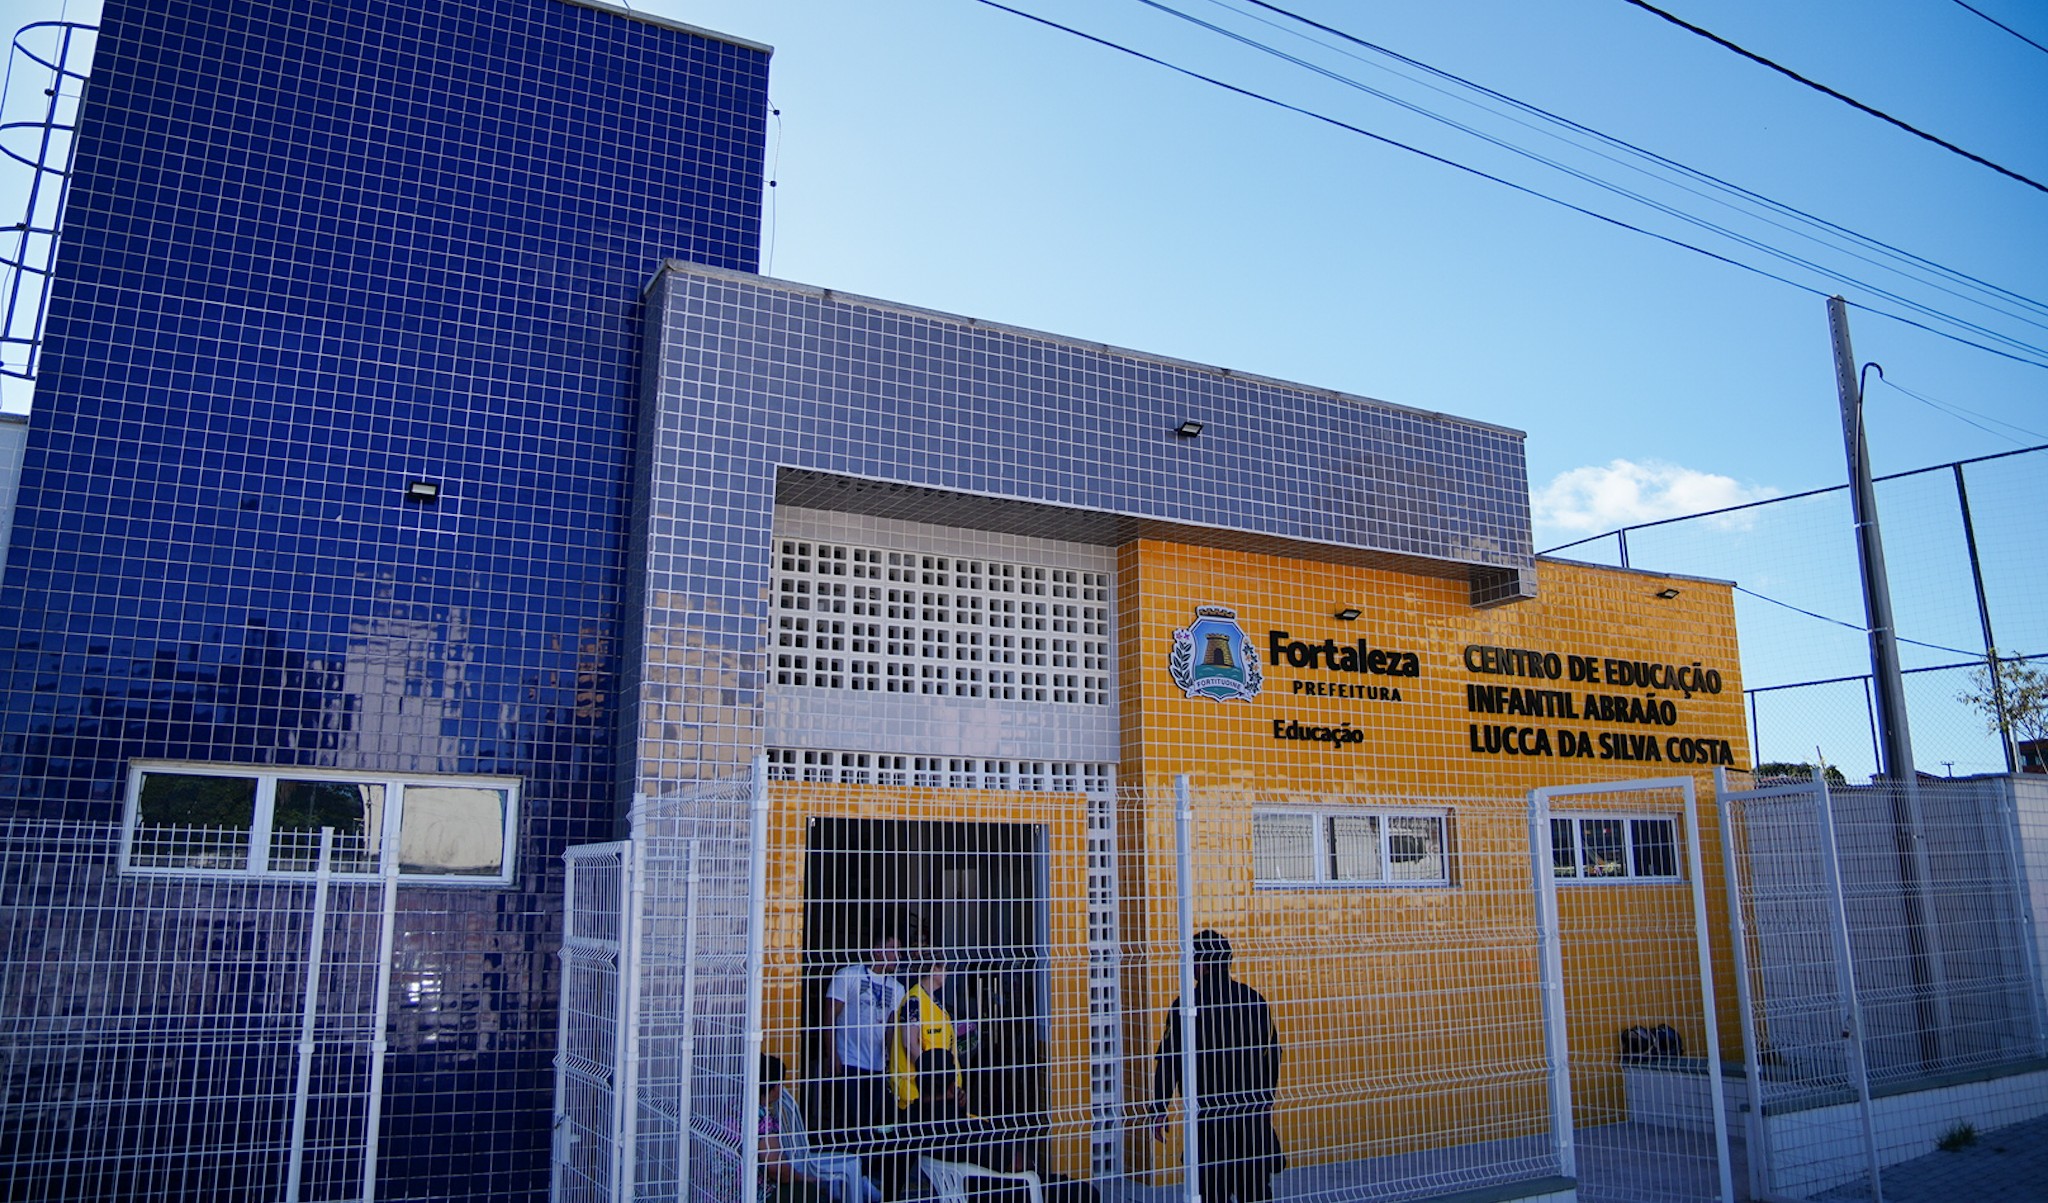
(1213, 658)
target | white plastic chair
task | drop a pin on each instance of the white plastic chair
(842, 1179)
(949, 1178)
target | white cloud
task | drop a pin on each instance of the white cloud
(1591, 500)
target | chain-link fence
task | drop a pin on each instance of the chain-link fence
(1967, 558)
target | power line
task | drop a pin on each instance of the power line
(1664, 161)
(1649, 202)
(1346, 126)
(2002, 25)
(1854, 626)
(1822, 88)
(1871, 309)
(1964, 415)
(1336, 123)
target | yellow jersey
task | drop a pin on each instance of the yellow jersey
(936, 1033)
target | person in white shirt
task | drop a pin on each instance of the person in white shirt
(858, 1007)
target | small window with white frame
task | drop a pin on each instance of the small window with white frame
(1614, 848)
(1350, 847)
(218, 820)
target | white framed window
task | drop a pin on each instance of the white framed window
(221, 819)
(1614, 847)
(1351, 847)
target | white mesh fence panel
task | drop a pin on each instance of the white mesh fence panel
(990, 975)
(1941, 950)
(691, 943)
(1917, 974)
(156, 1036)
(1648, 1120)
(1395, 943)
(589, 1055)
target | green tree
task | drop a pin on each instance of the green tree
(192, 800)
(2023, 688)
(1788, 770)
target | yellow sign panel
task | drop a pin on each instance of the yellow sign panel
(1314, 675)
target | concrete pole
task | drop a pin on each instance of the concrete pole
(1895, 741)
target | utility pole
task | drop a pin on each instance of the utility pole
(1895, 741)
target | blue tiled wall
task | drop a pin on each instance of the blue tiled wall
(315, 251)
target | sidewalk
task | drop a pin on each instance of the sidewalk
(2005, 1164)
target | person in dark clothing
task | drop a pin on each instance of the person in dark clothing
(1237, 1072)
(939, 1123)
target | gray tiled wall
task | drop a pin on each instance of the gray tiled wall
(756, 387)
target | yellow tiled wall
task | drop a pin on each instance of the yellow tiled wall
(1419, 750)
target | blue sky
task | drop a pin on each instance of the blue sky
(947, 154)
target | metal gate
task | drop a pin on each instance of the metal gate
(1890, 978)
(1637, 1099)
(594, 1056)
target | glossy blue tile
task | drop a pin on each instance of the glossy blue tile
(312, 253)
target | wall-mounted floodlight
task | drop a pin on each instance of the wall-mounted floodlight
(423, 491)
(1188, 429)
(1667, 593)
(1348, 614)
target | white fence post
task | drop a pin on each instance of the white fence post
(626, 1103)
(1756, 1135)
(380, 1017)
(1709, 1009)
(688, 1073)
(1550, 985)
(309, 1012)
(757, 944)
(1191, 1107)
(560, 1138)
(1845, 973)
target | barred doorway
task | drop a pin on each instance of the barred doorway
(968, 896)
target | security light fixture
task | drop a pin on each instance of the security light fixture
(1667, 593)
(1348, 614)
(1188, 429)
(424, 491)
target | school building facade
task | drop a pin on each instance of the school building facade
(986, 598)
(416, 456)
